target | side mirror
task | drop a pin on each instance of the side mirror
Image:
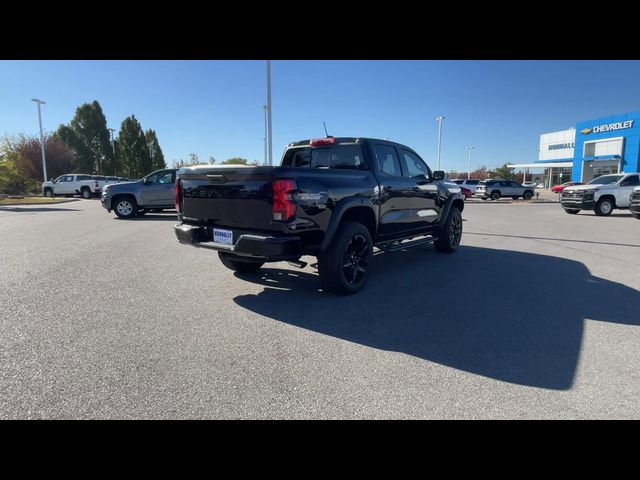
(438, 175)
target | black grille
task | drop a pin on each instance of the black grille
(572, 195)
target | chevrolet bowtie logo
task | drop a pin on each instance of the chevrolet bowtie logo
(584, 131)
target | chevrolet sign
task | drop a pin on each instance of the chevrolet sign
(608, 127)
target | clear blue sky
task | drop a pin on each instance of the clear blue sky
(215, 107)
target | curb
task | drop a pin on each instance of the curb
(66, 200)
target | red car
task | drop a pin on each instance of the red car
(560, 188)
(466, 192)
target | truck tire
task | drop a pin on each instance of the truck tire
(571, 211)
(125, 207)
(528, 195)
(48, 192)
(495, 195)
(86, 193)
(604, 207)
(344, 266)
(450, 234)
(239, 265)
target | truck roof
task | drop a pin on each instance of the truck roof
(302, 143)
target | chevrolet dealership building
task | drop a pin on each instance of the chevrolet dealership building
(593, 148)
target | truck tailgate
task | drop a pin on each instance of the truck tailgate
(227, 196)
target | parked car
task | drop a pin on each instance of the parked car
(333, 198)
(634, 203)
(469, 184)
(72, 184)
(153, 192)
(602, 194)
(466, 192)
(560, 188)
(495, 189)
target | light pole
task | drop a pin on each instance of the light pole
(150, 145)
(439, 119)
(265, 133)
(269, 111)
(469, 164)
(44, 162)
(113, 146)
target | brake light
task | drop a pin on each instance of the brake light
(283, 207)
(177, 193)
(322, 141)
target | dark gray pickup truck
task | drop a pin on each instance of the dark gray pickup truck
(333, 198)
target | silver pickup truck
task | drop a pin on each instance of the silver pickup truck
(153, 192)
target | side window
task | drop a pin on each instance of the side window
(459, 182)
(414, 167)
(473, 182)
(165, 177)
(514, 184)
(69, 178)
(633, 180)
(388, 160)
(154, 179)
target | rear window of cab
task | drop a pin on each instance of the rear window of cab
(338, 157)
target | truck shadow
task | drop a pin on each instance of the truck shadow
(36, 209)
(151, 217)
(512, 316)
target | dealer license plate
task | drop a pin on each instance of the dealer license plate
(223, 236)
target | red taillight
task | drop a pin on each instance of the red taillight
(322, 141)
(177, 193)
(283, 207)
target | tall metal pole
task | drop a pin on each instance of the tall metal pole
(44, 162)
(469, 164)
(265, 134)
(439, 119)
(269, 111)
(113, 146)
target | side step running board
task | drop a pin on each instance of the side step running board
(401, 245)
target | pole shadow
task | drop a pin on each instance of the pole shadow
(469, 310)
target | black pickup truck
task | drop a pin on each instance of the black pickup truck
(333, 198)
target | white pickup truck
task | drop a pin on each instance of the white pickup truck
(634, 203)
(74, 184)
(602, 194)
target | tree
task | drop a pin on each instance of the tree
(88, 135)
(157, 157)
(133, 152)
(22, 162)
(505, 172)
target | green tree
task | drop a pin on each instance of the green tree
(88, 135)
(157, 157)
(504, 172)
(21, 170)
(133, 152)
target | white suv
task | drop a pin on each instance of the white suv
(466, 183)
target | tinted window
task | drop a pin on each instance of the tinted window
(414, 167)
(605, 180)
(473, 182)
(388, 160)
(458, 182)
(98, 177)
(83, 177)
(346, 157)
(514, 184)
(632, 180)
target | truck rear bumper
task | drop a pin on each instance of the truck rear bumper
(270, 249)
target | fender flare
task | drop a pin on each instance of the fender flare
(447, 207)
(338, 212)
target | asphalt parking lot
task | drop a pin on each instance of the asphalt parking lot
(536, 316)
